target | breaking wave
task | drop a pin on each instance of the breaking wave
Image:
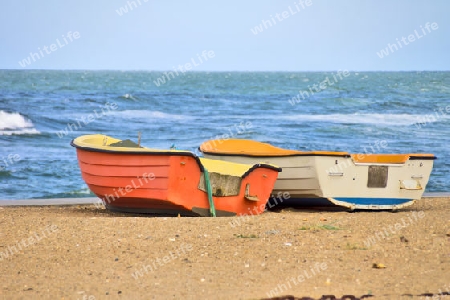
(15, 123)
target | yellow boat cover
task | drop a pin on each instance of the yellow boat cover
(258, 149)
(255, 148)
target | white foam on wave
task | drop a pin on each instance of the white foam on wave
(376, 119)
(15, 123)
(128, 96)
(149, 115)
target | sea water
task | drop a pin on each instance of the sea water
(41, 111)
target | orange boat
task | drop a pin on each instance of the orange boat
(131, 178)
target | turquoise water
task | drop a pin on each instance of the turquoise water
(42, 111)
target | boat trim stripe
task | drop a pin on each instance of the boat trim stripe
(265, 155)
(412, 157)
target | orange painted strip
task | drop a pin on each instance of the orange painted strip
(124, 171)
(254, 148)
(124, 182)
(122, 159)
(386, 158)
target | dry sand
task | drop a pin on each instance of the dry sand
(81, 252)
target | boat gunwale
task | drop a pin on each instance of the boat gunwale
(415, 156)
(277, 155)
(174, 153)
(281, 152)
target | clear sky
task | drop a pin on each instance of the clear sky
(296, 35)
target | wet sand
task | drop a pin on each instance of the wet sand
(82, 252)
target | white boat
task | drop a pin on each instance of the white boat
(354, 181)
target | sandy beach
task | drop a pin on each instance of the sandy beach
(83, 252)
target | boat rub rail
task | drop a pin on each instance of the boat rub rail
(85, 142)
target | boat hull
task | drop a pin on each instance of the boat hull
(168, 183)
(380, 182)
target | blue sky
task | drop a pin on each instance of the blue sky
(325, 35)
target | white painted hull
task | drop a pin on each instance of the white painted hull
(343, 182)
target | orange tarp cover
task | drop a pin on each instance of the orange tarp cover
(254, 148)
